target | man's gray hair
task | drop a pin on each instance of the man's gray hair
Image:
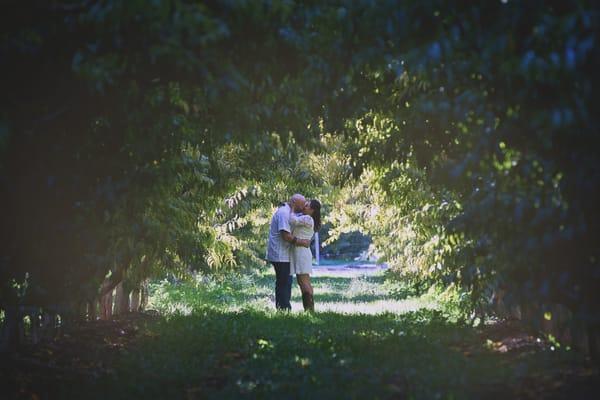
(297, 197)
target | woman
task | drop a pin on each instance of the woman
(304, 227)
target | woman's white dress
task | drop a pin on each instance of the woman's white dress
(301, 257)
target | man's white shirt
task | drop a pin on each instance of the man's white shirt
(278, 250)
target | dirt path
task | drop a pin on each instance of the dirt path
(348, 270)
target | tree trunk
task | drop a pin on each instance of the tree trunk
(11, 328)
(497, 302)
(48, 324)
(20, 324)
(135, 300)
(106, 306)
(580, 341)
(34, 318)
(515, 312)
(592, 334)
(68, 312)
(144, 295)
(115, 278)
(82, 311)
(92, 310)
(532, 315)
(556, 321)
(121, 300)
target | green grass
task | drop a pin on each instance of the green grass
(221, 339)
(353, 294)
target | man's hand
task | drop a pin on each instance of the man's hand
(303, 242)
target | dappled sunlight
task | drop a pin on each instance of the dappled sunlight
(356, 293)
(333, 292)
(339, 293)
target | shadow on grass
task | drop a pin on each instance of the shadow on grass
(255, 354)
(260, 354)
(218, 352)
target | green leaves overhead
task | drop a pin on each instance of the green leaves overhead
(473, 128)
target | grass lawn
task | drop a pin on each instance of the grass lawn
(221, 339)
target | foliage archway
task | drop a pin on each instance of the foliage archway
(125, 124)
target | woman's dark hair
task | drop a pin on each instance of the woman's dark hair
(316, 206)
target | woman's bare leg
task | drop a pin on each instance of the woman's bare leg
(304, 282)
(307, 291)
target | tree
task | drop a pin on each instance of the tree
(115, 115)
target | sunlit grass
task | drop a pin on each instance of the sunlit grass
(358, 294)
(223, 339)
(352, 294)
(372, 307)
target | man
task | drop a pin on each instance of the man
(278, 249)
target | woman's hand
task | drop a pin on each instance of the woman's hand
(294, 240)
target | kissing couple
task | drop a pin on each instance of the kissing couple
(292, 228)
